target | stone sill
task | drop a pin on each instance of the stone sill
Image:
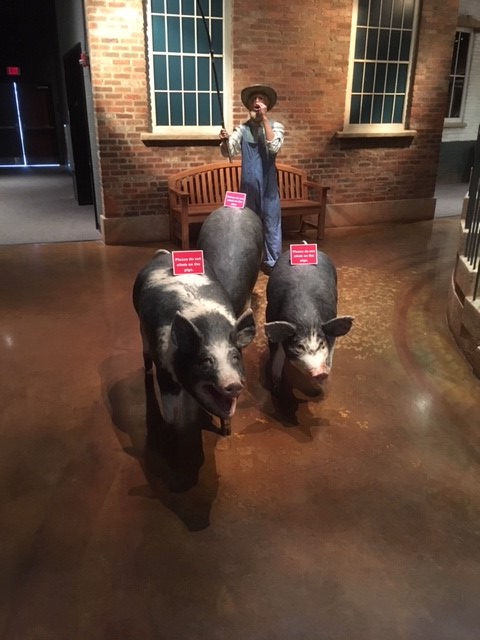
(178, 139)
(454, 125)
(406, 133)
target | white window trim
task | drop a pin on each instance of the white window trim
(380, 130)
(452, 122)
(193, 132)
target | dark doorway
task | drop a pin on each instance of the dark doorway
(27, 125)
(10, 141)
(77, 108)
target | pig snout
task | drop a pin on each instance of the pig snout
(224, 397)
(234, 389)
(314, 366)
(319, 374)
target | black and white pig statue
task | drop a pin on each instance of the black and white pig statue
(190, 331)
(302, 322)
(232, 243)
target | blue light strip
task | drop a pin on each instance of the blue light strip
(20, 124)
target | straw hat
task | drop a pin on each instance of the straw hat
(267, 91)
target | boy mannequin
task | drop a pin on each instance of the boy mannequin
(259, 140)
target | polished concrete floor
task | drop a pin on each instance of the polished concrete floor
(353, 518)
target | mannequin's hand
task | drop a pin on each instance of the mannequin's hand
(261, 108)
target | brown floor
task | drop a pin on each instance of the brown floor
(361, 522)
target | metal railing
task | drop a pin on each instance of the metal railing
(472, 218)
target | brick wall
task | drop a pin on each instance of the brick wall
(301, 49)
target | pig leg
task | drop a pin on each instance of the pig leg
(285, 402)
(147, 360)
(275, 366)
(283, 397)
(226, 426)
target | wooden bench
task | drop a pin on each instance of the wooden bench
(195, 193)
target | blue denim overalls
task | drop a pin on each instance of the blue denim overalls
(259, 182)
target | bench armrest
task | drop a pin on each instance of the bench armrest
(178, 192)
(311, 184)
(178, 196)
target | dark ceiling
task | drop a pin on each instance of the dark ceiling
(27, 33)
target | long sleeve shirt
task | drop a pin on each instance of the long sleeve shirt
(235, 139)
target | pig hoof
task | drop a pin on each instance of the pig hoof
(147, 363)
(226, 427)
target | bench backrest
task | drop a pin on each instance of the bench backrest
(291, 183)
(208, 183)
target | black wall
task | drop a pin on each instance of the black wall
(455, 162)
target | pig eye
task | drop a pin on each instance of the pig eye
(206, 362)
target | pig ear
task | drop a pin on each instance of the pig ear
(185, 335)
(279, 330)
(245, 329)
(338, 326)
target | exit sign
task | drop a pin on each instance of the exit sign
(13, 71)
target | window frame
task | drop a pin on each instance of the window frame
(460, 119)
(192, 132)
(380, 129)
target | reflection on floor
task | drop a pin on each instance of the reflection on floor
(358, 519)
